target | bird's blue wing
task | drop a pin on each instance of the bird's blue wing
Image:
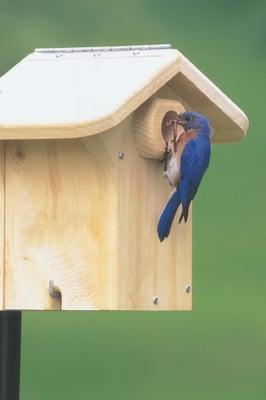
(194, 162)
(168, 214)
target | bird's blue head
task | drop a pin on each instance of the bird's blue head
(194, 120)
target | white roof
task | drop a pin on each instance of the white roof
(63, 93)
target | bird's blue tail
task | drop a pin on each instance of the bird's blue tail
(167, 216)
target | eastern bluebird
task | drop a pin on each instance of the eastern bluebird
(190, 159)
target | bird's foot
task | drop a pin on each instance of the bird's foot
(165, 157)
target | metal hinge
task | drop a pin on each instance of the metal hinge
(107, 48)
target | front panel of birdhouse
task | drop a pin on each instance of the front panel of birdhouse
(80, 218)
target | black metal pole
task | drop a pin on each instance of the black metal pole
(10, 340)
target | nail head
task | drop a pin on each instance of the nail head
(188, 289)
(121, 155)
(155, 301)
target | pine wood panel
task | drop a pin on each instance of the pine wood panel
(59, 197)
(149, 269)
(79, 94)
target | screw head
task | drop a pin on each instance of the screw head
(121, 155)
(188, 289)
(155, 301)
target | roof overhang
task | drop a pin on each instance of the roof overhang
(67, 93)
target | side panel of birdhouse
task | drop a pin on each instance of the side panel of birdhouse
(152, 275)
(2, 213)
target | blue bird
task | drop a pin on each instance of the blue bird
(189, 161)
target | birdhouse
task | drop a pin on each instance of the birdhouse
(82, 134)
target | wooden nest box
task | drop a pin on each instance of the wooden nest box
(81, 187)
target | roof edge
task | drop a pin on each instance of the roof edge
(214, 94)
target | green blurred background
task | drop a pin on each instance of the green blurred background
(218, 351)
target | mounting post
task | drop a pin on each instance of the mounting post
(10, 341)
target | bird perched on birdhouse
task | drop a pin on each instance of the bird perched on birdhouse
(190, 156)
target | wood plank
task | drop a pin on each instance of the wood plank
(79, 94)
(59, 194)
(2, 223)
(149, 269)
(103, 150)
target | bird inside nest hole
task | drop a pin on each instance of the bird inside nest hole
(171, 132)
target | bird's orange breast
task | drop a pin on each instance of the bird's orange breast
(183, 139)
(173, 170)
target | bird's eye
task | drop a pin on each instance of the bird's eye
(187, 118)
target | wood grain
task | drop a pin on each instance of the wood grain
(148, 130)
(80, 95)
(80, 216)
(58, 202)
(149, 269)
